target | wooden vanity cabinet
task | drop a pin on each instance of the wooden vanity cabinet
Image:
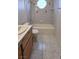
(27, 50)
(26, 46)
(19, 53)
(26, 38)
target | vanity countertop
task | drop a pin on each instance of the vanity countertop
(20, 36)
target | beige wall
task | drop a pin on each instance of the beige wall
(57, 10)
(41, 16)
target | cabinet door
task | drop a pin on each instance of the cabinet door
(26, 38)
(19, 53)
(27, 49)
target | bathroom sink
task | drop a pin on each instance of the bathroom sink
(22, 29)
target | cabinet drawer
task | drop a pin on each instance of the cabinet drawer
(26, 38)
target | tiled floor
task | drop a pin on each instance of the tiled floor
(45, 46)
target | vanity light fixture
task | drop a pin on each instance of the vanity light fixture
(41, 4)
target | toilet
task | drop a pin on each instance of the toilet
(35, 34)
